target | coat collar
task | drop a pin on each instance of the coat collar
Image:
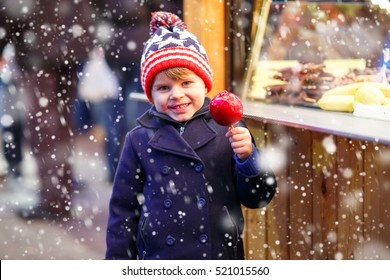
(166, 138)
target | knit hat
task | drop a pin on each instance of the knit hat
(171, 45)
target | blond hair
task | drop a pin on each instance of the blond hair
(177, 73)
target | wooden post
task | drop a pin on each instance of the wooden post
(325, 194)
(206, 19)
(350, 212)
(376, 187)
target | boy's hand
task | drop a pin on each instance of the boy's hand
(241, 141)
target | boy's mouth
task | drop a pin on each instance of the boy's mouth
(179, 106)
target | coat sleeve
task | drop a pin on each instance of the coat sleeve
(258, 190)
(125, 207)
(256, 182)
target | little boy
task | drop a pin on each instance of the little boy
(182, 178)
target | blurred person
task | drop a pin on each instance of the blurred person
(51, 38)
(384, 61)
(12, 113)
(97, 104)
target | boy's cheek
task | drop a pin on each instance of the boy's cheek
(161, 107)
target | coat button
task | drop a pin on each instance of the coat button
(201, 202)
(170, 240)
(168, 203)
(198, 167)
(165, 170)
(203, 238)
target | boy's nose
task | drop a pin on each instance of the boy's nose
(176, 93)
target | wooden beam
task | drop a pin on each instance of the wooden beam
(206, 19)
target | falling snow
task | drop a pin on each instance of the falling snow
(83, 236)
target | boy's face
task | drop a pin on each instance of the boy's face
(178, 98)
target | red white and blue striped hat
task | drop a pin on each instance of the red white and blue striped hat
(171, 45)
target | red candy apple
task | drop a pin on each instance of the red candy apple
(226, 108)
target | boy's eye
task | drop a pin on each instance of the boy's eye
(163, 88)
(186, 83)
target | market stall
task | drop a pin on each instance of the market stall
(331, 164)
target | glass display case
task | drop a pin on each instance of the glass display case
(303, 48)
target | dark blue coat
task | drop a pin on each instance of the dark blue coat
(179, 196)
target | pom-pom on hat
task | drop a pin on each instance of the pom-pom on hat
(171, 45)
